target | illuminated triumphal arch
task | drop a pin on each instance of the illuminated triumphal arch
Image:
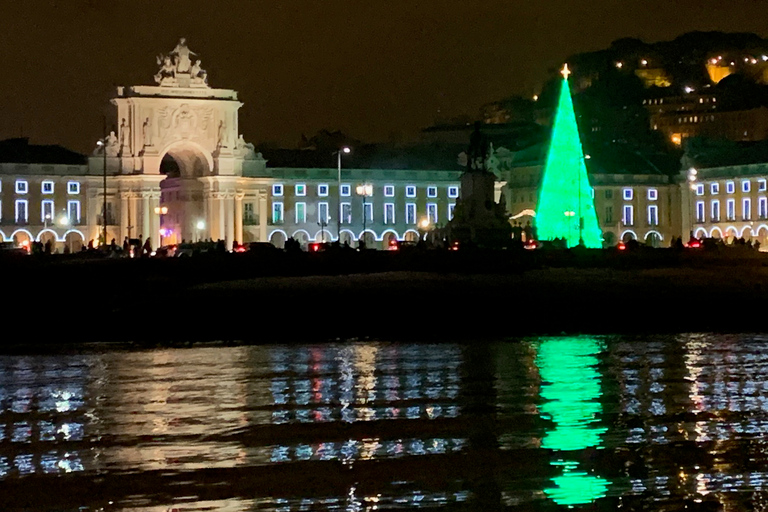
(176, 145)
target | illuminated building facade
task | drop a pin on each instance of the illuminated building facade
(697, 115)
(729, 202)
(177, 146)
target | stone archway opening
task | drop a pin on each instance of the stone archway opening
(182, 192)
(22, 239)
(653, 239)
(48, 239)
(73, 242)
(278, 239)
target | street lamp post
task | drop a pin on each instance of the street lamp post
(103, 144)
(161, 210)
(345, 150)
(364, 190)
(692, 173)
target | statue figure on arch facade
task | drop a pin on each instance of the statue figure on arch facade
(198, 75)
(167, 71)
(181, 56)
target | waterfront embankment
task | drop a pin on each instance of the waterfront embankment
(392, 297)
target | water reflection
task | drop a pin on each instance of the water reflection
(571, 392)
(637, 423)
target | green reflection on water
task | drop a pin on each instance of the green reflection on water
(571, 390)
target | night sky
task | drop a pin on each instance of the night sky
(377, 69)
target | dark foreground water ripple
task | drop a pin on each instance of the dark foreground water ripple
(599, 423)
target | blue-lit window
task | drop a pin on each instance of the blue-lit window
(73, 187)
(714, 188)
(653, 194)
(22, 187)
(277, 190)
(431, 191)
(22, 212)
(389, 190)
(627, 192)
(277, 213)
(389, 213)
(301, 213)
(410, 191)
(322, 214)
(745, 186)
(453, 192)
(410, 213)
(730, 187)
(432, 213)
(47, 187)
(46, 211)
(700, 189)
(322, 190)
(300, 189)
(346, 190)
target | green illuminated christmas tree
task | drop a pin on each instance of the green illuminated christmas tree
(566, 208)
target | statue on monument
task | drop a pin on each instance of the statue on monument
(222, 134)
(167, 71)
(199, 75)
(181, 54)
(125, 135)
(147, 132)
(246, 149)
(111, 146)
(477, 152)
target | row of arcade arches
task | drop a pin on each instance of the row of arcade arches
(71, 240)
(652, 238)
(731, 233)
(278, 237)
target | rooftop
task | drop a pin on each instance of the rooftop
(371, 156)
(20, 151)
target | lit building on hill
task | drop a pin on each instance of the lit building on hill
(697, 115)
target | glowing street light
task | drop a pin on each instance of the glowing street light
(365, 190)
(162, 210)
(200, 226)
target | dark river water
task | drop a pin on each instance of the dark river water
(597, 423)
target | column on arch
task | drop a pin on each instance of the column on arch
(145, 218)
(123, 216)
(222, 216)
(154, 201)
(230, 223)
(210, 215)
(133, 216)
(239, 216)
